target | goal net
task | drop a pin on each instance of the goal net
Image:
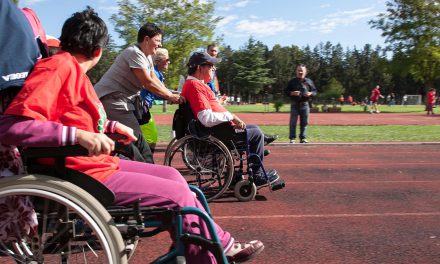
(412, 99)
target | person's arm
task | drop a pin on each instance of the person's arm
(208, 118)
(314, 91)
(25, 131)
(151, 83)
(28, 132)
(288, 88)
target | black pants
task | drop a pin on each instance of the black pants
(137, 151)
(126, 116)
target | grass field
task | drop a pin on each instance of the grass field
(346, 133)
(332, 133)
(260, 108)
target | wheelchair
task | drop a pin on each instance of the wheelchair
(216, 160)
(57, 215)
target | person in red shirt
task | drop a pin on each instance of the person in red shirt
(59, 106)
(350, 99)
(207, 109)
(341, 99)
(375, 95)
(430, 101)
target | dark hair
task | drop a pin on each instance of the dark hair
(148, 30)
(211, 45)
(83, 33)
(192, 70)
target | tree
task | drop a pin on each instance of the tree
(187, 25)
(333, 90)
(411, 31)
(282, 67)
(252, 71)
(108, 57)
(226, 71)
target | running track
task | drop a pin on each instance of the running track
(363, 203)
(343, 203)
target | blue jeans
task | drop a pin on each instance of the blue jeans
(302, 110)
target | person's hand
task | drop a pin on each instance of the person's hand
(174, 98)
(95, 143)
(127, 132)
(238, 123)
(295, 93)
(308, 94)
(182, 100)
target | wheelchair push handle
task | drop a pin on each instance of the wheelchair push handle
(116, 136)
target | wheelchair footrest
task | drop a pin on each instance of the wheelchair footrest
(278, 185)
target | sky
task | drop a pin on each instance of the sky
(283, 22)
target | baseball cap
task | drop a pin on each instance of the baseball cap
(199, 58)
(52, 41)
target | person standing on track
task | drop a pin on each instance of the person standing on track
(300, 90)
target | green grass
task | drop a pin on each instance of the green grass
(260, 108)
(346, 133)
(333, 133)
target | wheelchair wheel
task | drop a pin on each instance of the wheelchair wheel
(73, 227)
(245, 191)
(169, 147)
(204, 162)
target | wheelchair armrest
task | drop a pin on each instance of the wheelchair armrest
(64, 151)
(54, 152)
(89, 184)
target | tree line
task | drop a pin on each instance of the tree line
(408, 64)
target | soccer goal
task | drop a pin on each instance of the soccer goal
(412, 99)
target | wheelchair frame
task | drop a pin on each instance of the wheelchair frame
(119, 227)
(215, 184)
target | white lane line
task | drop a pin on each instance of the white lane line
(353, 165)
(326, 215)
(359, 182)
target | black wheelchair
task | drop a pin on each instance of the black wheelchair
(53, 214)
(216, 160)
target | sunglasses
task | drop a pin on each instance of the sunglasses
(208, 64)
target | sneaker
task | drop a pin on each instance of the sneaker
(305, 141)
(261, 181)
(377, 112)
(269, 139)
(371, 111)
(292, 141)
(244, 251)
(266, 152)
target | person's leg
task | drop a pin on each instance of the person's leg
(162, 171)
(143, 147)
(256, 145)
(293, 121)
(304, 120)
(124, 114)
(129, 151)
(142, 182)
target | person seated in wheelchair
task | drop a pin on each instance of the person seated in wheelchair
(57, 106)
(207, 109)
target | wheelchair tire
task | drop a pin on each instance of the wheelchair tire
(169, 147)
(204, 162)
(73, 227)
(245, 191)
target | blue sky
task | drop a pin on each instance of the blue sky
(284, 22)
